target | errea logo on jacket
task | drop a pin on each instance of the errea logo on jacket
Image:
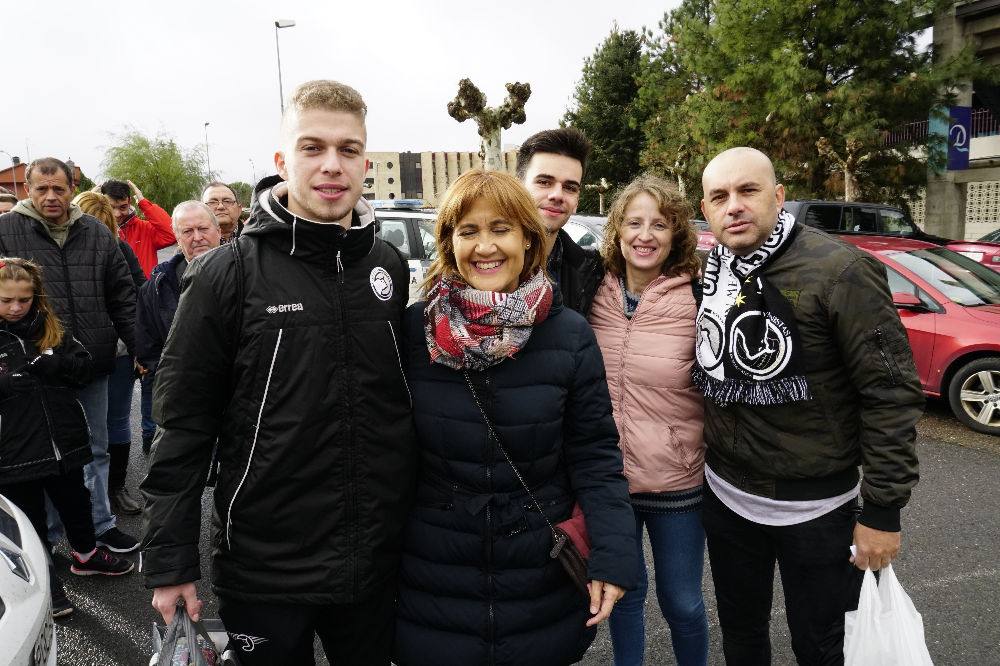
(287, 307)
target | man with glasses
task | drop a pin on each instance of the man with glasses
(226, 205)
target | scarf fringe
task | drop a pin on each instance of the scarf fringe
(748, 392)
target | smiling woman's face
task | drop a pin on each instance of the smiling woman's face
(489, 249)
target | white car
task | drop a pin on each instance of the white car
(27, 634)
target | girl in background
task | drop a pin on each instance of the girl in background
(44, 438)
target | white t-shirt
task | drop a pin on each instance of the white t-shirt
(767, 511)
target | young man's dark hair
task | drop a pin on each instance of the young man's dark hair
(116, 189)
(567, 141)
(49, 166)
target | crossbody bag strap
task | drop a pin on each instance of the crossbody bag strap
(558, 539)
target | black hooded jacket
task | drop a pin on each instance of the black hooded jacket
(43, 432)
(310, 407)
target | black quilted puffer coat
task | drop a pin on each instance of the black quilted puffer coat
(477, 585)
(87, 279)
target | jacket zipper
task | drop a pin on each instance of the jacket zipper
(48, 422)
(885, 358)
(69, 285)
(253, 445)
(352, 486)
(400, 359)
(491, 628)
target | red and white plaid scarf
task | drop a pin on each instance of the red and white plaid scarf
(471, 329)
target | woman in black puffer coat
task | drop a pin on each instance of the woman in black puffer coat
(477, 584)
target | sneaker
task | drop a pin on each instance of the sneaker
(123, 503)
(101, 563)
(61, 605)
(117, 541)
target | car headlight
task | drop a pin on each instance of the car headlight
(15, 562)
(975, 256)
(995, 259)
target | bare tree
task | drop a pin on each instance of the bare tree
(471, 103)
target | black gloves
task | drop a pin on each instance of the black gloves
(17, 383)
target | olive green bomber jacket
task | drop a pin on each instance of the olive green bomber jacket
(866, 393)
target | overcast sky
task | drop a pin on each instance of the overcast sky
(79, 72)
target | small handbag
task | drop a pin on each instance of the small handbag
(570, 542)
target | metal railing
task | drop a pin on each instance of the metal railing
(984, 123)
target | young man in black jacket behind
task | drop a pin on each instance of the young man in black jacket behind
(300, 381)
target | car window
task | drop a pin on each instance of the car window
(900, 284)
(860, 219)
(824, 217)
(394, 232)
(992, 237)
(581, 235)
(894, 222)
(961, 279)
(425, 230)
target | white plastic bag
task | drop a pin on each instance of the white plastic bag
(886, 630)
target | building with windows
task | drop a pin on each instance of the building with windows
(425, 175)
(966, 204)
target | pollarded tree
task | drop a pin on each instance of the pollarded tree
(164, 172)
(604, 108)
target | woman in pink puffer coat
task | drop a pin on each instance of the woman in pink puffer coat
(644, 317)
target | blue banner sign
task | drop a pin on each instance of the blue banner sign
(959, 137)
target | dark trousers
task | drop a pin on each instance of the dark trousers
(819, 582)
(71, 499)
(352, 635)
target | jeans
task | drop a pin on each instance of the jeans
(121, 384)
(94, 398)
(146, 407)
(678, 545)
(819, 582)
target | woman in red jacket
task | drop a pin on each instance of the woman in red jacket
(644, 317)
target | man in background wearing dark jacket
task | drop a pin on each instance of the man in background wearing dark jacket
(551, 164)
(197, 232)
(90, 289)
(285, 349)
(807, 374)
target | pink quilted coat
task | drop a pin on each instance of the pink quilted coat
(658, 411)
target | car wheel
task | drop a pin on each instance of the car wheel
(974, 394)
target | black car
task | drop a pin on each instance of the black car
(854, 217)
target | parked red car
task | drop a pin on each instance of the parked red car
(950, 306)
(986, 250)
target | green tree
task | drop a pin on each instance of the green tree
(604, 108)
(166, 174)
(815, 85)
(85, 183)
(243, 191)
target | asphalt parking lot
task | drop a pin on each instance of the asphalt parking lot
(949, 566)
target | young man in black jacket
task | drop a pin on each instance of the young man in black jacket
(284, 350)
(551, 164)
(807, 375)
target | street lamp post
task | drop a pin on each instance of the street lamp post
(280, 23)
(208, 157)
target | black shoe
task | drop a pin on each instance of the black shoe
(61, 605)
(123, 503)
(101, 563)
(117, 541)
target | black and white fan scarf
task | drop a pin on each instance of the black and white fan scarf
(748, 345)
